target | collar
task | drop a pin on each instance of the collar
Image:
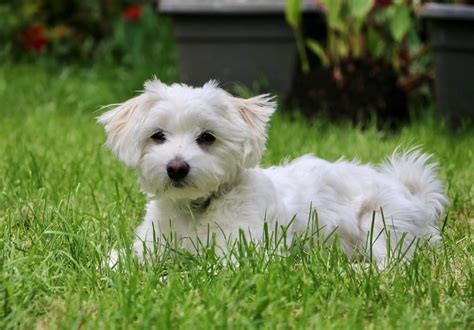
(202, 204)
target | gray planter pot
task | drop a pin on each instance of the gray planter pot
(452, 40)
(235, 42)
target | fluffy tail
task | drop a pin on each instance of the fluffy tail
(414, 170)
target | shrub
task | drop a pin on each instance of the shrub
(75, 29)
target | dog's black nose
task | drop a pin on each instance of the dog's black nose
(177, 169)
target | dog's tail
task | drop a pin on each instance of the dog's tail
(415, 171)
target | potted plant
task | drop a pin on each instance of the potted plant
(370, 62)
(236, 41)
(452, 40)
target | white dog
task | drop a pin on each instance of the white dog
(197, 150)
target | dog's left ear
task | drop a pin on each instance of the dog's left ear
(256, 113)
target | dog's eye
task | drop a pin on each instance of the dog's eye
(205, 138)
(159, 137)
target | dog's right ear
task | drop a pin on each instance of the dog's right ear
(122, 125)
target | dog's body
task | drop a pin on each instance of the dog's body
(196, 151)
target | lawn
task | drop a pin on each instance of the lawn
(65, 202)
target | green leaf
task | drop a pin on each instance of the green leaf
(333, 9)
(360, 8)
(293, 13)
(376, 44)
(317, 49)
(400, 22)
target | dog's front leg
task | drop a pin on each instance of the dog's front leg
(146, 241)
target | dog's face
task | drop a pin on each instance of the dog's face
(187, 142)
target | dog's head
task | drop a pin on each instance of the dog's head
(187, 142)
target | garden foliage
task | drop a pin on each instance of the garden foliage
(77, 30)
(380, 30)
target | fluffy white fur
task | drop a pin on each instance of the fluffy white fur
(226, 191)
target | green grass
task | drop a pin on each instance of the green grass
(65, 201)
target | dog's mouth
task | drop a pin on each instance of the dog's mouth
(182, 185)
(178, 184)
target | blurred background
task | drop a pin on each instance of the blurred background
(355, 60)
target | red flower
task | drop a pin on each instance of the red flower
(132, 13)
(35, 39)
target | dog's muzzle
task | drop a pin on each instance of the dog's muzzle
(177, 170)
